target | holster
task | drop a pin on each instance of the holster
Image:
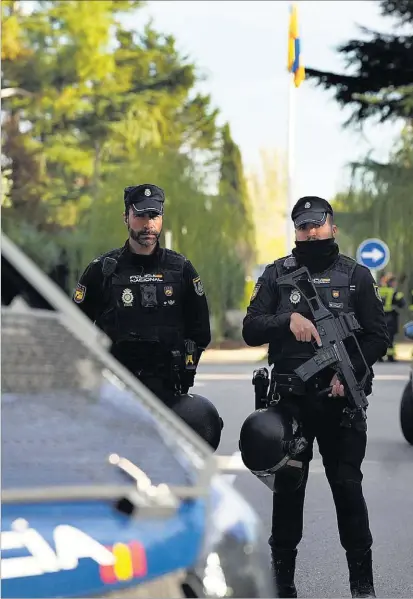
(356, 419)
(176, 368)
(260, 381)
(188, 371)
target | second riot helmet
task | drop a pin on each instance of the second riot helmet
(271, 442)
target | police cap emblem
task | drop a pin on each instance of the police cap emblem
(295, 297)
(307, 205)
(147, 192)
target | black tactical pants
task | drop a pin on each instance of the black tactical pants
(342, 450)
(163, 388)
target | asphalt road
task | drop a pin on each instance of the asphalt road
(388, 486)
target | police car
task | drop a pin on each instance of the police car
(105, 493)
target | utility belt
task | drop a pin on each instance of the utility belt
(278, 387)
(271, 390)
(286, 385)
(147, 359)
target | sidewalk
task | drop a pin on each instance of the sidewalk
(251, 355)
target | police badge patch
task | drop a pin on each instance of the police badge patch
(79, 294)
(127, 297)
(377, 292)
(199, 288)
(255, 291)
(295, 297)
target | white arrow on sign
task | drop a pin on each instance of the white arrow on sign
(374, 255)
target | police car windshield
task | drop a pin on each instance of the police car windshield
(64, 413)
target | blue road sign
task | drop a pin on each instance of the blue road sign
(373, 253)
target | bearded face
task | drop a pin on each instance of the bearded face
(144, 228)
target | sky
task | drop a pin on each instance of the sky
(241, 48)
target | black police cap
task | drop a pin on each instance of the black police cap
(144, 198)
(311, 209)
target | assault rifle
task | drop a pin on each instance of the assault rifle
(336, 334)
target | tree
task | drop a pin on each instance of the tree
(379, 204)
(233, 192)
(103, 108)
(90, 104)
(381, 84)
(268, 192)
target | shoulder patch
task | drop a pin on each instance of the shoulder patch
(255, 291)
(199, 288)
(79, 294)
(377, 292)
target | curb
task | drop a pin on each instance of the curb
(251, 355)
(234, 356)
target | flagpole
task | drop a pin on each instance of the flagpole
(290, 163)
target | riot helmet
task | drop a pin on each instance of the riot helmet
(201, 415)
(271, 442)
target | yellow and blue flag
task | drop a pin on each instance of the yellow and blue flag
(294, 52)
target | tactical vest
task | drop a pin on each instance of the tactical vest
(335, 291)
(144, 306)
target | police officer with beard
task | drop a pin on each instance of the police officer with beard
(150, 301)
(280, 317)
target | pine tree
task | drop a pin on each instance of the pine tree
(233, 191)
(381, 85)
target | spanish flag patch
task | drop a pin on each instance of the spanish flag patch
(79, 294)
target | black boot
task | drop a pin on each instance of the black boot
(361, 574)
(283, 568)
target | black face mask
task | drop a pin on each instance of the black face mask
(318, 255)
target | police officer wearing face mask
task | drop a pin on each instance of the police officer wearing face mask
(280, 317)
(151, 302)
